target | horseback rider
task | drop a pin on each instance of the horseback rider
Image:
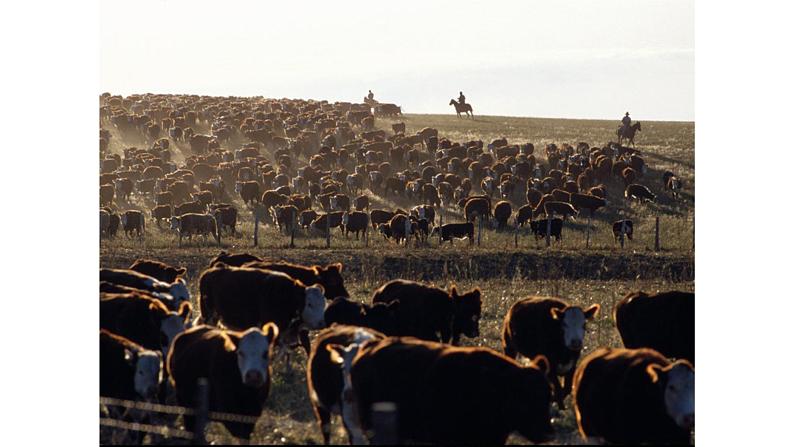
(371, 95)
(461, 99)
(626, 121)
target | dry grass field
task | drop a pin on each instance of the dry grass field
(603, 274)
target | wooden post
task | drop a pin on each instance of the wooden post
(549, 218)
(479, 229)
(366, 233)
(622, 233)
(292, 233)
(515, 234)
(589, 218)
(202, 411)
(440, 226)
(656, 242)
(384, 423)
(256, 229)
(327, 230)
(407, 230)
(693, 231)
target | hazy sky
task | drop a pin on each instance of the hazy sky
(569, 59)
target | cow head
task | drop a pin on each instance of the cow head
(178, 290)
(343, 356)
(148, 371)
(384, 317)
(468, 308)
(572, 321)
(253, 354)
(172, 325)
(678, 382)
(175, 223)
(314, 307)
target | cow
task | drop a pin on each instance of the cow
(377, 217)
(236, 365)
(176, 289)
(356, 221)
(672, 183)
(327, 221)
(195, 207)
(330, 390)
(123, 188)
(501, 213)
(329, 277)
(399, 228)
(639, 192)
(587, 202)
(161, 212)
(629, 175)
(524, 215)
(164, 198)
(625, 226)
(249, 191)
(225, 216)
(455, 231)
(127, 370)
(564, 209)
(539, 227)
(340, 202)
(398, 128)
(285, 216)
(424, 212)
(431, 313)
(361, 203)
(634, 396)
(158, 270)
(141, 319)
(383, 317)
(306, 218)
(445, 394)
(234, 259)
(663, 321)
(194, 223)
(477, 207)
(244, 297)
(133, 221)
(552, 328)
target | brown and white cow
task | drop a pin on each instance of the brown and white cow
(176, 289)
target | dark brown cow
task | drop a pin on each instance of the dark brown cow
(563, 209)
(662, 321)
(234, 259)
(524, 215)
(382, 317)
(356, 222)
(225, 216)
(552, 328)
(330, 276)
(452, 231)
(448, 395)
(237, 366)
(194, 223)
(307, 217)
(539, 228)
(625, 226)
(286, 217)
(378, 217)
(627, 396)
(161, 212)
(195, 207)
(127, 370)
(106, 193)
(477, 207)
(431, 313)
(176, 289)
(361, 203)
(587, 202)
(502, 212)
(249, 191)
(158, 270)
(133, 221)
(329, 393)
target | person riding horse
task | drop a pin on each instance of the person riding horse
(461, 99)
(371, 95)
(626, 123)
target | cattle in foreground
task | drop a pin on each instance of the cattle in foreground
(430, 313)
(242, 297)
(449, 395)
(176, 289)
(158, 270)
(127, 370)
(382, 317)
(552, 328)
(195, 224)
(143, 320)
(662, 321)
(627, 396)
(452, 231)
(329, 277)
(236, 366)
(330, 392)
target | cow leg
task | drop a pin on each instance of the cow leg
(558, 393)
(324, 418)
(303, 338)
(567, 384)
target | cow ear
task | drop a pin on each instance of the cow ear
(654, 371)
(336, 352)
(184, 310)
(336, 266)
(556, 313)
(542, 363)
(453, 291)
(271, 331)
(181, 271)
(129, 356)
(592, 311)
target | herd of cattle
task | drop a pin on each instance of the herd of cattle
(318, 165)
(400, 347)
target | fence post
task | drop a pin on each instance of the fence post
(516, 233)
(440, 226)
(622, 233)
(366, 234)
(479, 229)
(656, 242)
(202, 411)
(589, 218)
(327, 230)
(292, 233)
(407, 230)
(384, 423)
(693, 231)
(549, 218)
(256, 229)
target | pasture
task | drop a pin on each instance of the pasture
(506, 265)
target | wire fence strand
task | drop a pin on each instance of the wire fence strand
(146, 428)
(172, 409)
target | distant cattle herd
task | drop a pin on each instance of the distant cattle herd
(317, 165)
(400, 347)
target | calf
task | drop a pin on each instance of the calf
(356, 222)
(539, 228)
(662, 321)
(552, 328)
(242, 297)
(448, 395)
(158, 270)
(382, 317)
(639, 192)
(625, 226)
(455, 231)
(330, 276)
(237, 366)
(628, 396)
(133, 221)
(192, 223)
(141, 319)
(127, 370)
(431, 313)
(176, 289)
(330, 392)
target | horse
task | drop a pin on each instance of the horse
(628, 133)
(462, 108)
